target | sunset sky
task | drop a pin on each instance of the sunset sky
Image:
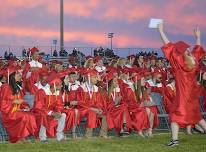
(87, 22)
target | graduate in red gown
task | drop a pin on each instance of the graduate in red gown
(138, 114)
(31, 70)
(169, 94)
(71, 98)
(186, 109)
(117, 107)
(48, 108)
(143, 95)
(95, 106)
(16, 116)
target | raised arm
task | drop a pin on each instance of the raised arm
(162, 34)
(197, 35)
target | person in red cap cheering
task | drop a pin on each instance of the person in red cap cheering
(186, 108)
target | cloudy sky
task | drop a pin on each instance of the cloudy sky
(87, 22)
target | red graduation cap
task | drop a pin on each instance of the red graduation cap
(131, 57)
(9, 70)
(33, 50)
(12, 62)
(53, 79)
(43, 72)
(89, 57)
(91, 72)
(181, 46)
(126, 70)
(156, 72)
(97, 59)
(112, 69)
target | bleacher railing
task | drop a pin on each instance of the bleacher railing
(122, 52)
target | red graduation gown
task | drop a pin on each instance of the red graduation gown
(186, 109)
(168, 99)
(72, 95)
(117, 112)
(138, 114)
(18, 124)
(29, 82)
(97, 100)
(43, 104)
(153, 109)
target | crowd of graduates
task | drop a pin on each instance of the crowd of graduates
(116, 95)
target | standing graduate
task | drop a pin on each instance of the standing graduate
(186, 108)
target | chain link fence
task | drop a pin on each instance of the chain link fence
(122, 52)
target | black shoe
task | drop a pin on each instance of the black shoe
(125, 129)
(124, 133)
(198, 131)
(173, 143)
(45, 141)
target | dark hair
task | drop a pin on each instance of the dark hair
(139, 90)
(1, 77)
(64, 87)
(202, 82)
(71, 73)
(170, 80)
(136, 61)
(13, 84)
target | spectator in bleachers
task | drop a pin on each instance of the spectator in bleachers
(55, 54)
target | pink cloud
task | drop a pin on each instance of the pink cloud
(180, 19)
(98, 38)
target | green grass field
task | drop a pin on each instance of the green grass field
(194, 143)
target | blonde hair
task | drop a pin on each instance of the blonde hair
(189, 60)
(88, 62)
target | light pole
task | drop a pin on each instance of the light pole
(110, 36)
(61, 25)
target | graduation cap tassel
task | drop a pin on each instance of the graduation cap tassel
(107, 85)
(55, 89)
(89, 80)
(136, 82)
(8, 73)
(29, 55)
(200, 79)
